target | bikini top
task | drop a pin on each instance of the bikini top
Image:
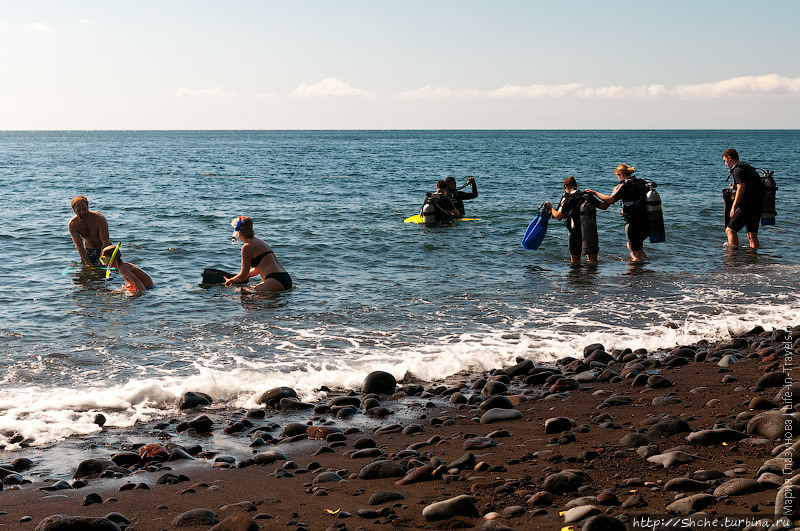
(257, 259)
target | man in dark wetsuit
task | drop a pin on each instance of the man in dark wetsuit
(457, 197)
(570, 208)
(444, 211)
(747, 201)
(631, 191)
(89, 231)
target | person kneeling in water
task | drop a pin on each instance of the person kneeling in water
(137, 280)
(257, 259)
(579, 210)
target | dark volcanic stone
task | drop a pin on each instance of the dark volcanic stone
(193, 399)
(496, 402)
(601, 522)
(686, 485)
(92, 468)
(658, 382)
(770, 425)
(493, 387)
(463, 505)
(738, 487)
(715, 437)
(558, 424)
(565, 481)
(195, 517)
(201, 424)
(500, 415)
(379, 498)
(379, 382)
(381, 469)
(273, 396)
(773, 379)
(465, 462)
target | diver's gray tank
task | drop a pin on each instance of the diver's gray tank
(589, 228)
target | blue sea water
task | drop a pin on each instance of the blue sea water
(371, 292)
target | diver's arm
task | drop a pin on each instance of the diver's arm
(244, 272)
(557, 214)
(102, 231)
(474, 193)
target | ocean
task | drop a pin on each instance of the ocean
(371, 293)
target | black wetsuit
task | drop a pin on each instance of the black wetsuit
(570, 205)
(442, 207)
(748, 213)
(457, 197)
(631, 192)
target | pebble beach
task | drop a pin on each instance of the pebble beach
(602, 440)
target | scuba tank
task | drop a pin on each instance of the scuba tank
(589, 228)
(727, 198)
(428, 210)
(768, 198)
(655, 218)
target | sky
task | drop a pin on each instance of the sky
(405, 64)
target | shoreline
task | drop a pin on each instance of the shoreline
(587, 441)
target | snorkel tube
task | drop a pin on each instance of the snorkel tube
(111, 260)
(235, 223)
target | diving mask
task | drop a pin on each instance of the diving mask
(236, 223)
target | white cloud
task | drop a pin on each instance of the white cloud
(84, 22)
(36, 27)
(771, 84)
(534, 91)
(741, 86)
(328, 87)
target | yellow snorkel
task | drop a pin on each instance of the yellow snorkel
(111, 261)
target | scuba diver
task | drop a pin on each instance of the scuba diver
(631, 191)
(743, 204)
(579, 211)
(457, 197)
(438, 209)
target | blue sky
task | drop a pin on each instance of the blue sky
(399, 65)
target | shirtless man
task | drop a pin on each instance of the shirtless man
(89, 231)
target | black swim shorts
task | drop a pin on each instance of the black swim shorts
(742, 218)
(94, 255)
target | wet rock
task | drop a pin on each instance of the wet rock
(193, 399)
(558, 424)
(463, 505)
(728, 360)
(685, 485)
(178, 454)
(58, 485)
(563, 385)
(615, 400)
(494, 525)
(92, 468)
(59, 522)
(294, 428)
(500, 415)
(607, 497)
(602, 522)
(367, 453)
(715, 437)
(789, 394)
(201, 424)
(458, 398)
(195, 517)
(496, 402)
(494, 387)
(292, 404)
(566, 481)
(268, 457)
(379, 383)
(634, 501)
(738, 487)
(380, 470)
(125, 459)
(379, 498)
(153, 451)
(91, 499)
(21, 464)
(520, 369)
(273, 396)
(692, 504)
(672, 459)
(365, 442)
(321, 432)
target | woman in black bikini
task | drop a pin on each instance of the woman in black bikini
(258, 259)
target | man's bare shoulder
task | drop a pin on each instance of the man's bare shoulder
(74, 222)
